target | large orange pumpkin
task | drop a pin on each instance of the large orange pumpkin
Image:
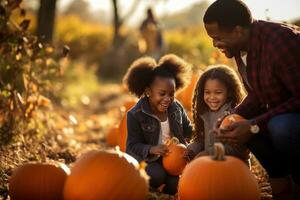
(122, 135)
(218, 177)
(128, 104)
(174, 162)
(106, 175)
(229, 119)
(186, 95)
(112, 136)
(38, 181)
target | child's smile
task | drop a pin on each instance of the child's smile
(164, 105)
(214, 105)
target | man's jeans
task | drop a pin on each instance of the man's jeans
(279, 150)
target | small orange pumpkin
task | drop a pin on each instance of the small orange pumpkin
(38, 181)
(174, 162)
(228, 120)
(218, 177)
(106, 174)
(122, 136)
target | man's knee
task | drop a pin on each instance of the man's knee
(280, 129)
(284, 131)
(278, 126)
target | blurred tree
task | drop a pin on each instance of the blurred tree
(46, 18)
(118, 21)
(116, 60)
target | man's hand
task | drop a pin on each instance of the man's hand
(217, 124)
(160, 149)
(236, 133)
(189, 154)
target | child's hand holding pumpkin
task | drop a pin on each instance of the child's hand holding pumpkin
(160, 149)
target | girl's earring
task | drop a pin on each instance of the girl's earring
(147, 95)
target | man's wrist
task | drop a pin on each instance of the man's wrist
(150, 150)
(254, 128)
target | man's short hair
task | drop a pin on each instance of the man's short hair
(228, 14)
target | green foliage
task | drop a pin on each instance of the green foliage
(192, 16)
(88, 41)
(192, 44)
(27, 68)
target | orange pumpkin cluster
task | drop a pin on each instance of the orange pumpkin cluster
(110, 174)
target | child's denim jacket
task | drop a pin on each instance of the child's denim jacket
(144, 128)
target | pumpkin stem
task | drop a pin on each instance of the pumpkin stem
(118, 150)
(143, 165)
(173, 140)
(219, 151)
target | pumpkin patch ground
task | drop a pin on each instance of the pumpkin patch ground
(72, 132)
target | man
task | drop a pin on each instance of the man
(152, 41)
(268, 58)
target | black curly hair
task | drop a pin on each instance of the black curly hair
(228, 14)
(142, 72)
(230, 79)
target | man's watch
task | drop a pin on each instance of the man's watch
(254, 128)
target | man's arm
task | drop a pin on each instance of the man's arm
(286, 61)
(249, 108)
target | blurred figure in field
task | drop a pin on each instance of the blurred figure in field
(151, 40)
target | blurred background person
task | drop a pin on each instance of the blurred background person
(151, 41)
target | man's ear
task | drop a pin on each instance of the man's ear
(147, 91)
(239, 31)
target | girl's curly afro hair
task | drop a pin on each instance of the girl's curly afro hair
(142, 72)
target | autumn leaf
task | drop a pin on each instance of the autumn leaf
(65, 51)
(22, 12)
(25, 24)
(2, 11)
